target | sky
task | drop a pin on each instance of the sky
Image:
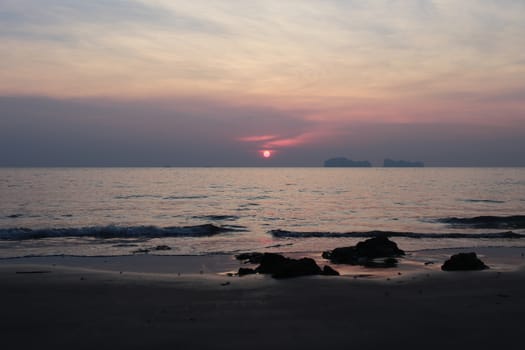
(215, 83)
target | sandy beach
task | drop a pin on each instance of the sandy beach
(48, 304)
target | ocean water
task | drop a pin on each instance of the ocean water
(198, 211)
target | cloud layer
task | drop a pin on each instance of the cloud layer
(296, 76)
(155, 132)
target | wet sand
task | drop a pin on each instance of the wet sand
(46, 304)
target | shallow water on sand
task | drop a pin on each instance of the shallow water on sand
(118, 211)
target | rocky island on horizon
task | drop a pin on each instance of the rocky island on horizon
(342, 162)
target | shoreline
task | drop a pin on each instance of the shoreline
(414, 262)
(65, 307)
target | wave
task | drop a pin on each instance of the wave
(17, 216)
(118, 232)
(133, 196)
(367, 234)
(14, 216)
(504, 222)
(491, 201)
(217, 217)
(186, 197)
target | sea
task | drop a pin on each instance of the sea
(208, 211)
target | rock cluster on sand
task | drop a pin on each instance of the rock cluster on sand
(374, 252)
(464, 262)
(282, 267)
(328, 271)
(252, 258)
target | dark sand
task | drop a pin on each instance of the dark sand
(65, 306)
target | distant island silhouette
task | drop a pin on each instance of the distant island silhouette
(342, 162)
(389, 163)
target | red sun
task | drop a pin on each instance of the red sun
(266, 154)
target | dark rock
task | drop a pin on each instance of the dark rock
(463, 262)
(245, 271)
(162, 247)
(271, 263)
(141, 251)
(296, 268)
(377, 247)
(252, 258)
(282, 267)
(328, 271)
(365, 252)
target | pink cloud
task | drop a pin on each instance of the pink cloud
(258, 138)
(276, 141)
(287, 142)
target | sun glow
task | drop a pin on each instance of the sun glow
(266, 154)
